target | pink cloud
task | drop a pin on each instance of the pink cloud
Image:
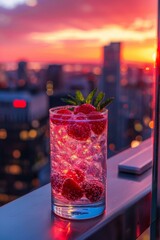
(84, 14)
(51, 16)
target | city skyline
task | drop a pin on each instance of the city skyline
(26, 96)
(69, 31)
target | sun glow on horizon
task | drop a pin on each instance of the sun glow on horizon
(103, 35)
(79, 44)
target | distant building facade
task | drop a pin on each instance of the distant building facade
(54, 77)
(131, 111)
(23, 124)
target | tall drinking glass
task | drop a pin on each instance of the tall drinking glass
(78, 154)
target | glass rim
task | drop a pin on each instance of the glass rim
(52, 112)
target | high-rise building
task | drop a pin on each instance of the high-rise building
(23, 124)
(111, 68)
(110, 84)
(22, 75)
(131, 111)
(54, 78)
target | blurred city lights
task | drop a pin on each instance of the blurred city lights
(35, 123)
(16, 153)
(146, 120)
(19, 103)
(124, 82)
(35, 183)
(147, 68)
(97, 70)
(123, 69)
(23, 135)
(138, 127)
(19, 185)
(135, 144)
(112, 146)
(3, 134)
(77, 68)
(139, 138)
(13, 169)
(151, 124)
(49, 88)
(68, 68)
(4, 197)
(32, 133)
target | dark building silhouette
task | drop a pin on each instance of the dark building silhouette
(22, 75)
(54, 76)
(23, 124)
(22, 69)
(110, 84)
(111, 68)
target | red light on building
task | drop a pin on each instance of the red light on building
(19, 103)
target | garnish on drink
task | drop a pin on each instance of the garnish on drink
(78, 144)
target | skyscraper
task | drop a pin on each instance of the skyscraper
(22, 75)
(54, 77)
(110, 84)
(111, 69)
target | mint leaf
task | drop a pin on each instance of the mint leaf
(96, 99)
(79, 97)
(90, 96)
(69, 101)
(99, 98)
(106, 103)
(73, 98)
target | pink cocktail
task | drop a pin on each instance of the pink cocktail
(78, 153)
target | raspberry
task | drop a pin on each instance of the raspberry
(93, 190)
(79, 130)
(97, 126)
(76, 174)
(61, 116)
(71, 190)
(84, 108)
(57, 181)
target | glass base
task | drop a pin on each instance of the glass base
(79, 212)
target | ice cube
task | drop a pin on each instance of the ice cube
(94, 170)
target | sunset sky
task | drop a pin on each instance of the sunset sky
(75, 30)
